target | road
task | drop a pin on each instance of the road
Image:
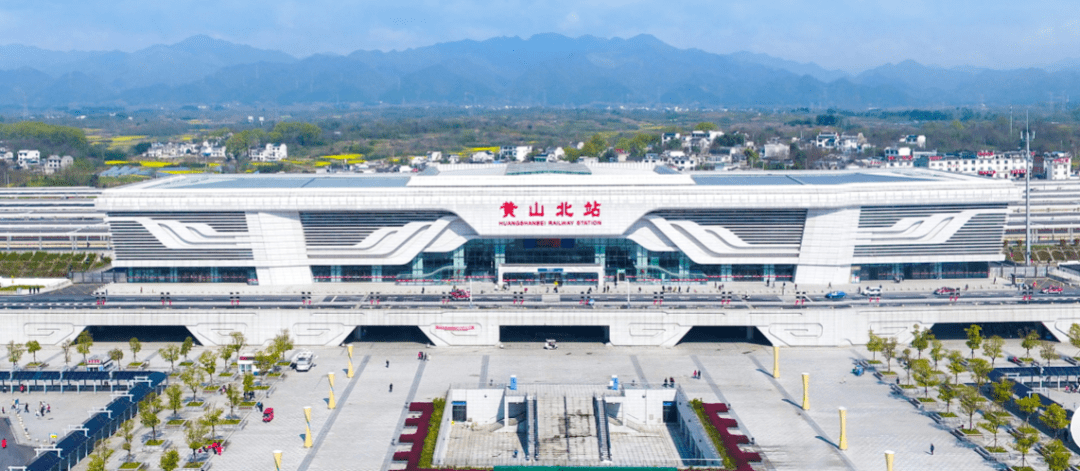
(74, 299)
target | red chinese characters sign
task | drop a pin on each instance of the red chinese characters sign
(565, 213)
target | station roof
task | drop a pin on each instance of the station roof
(549, 174)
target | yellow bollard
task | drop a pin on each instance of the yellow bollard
(806, 391)
(776, 362)
(843, 428)
(888, 460)
(331, 404)
(277, 459)
(307, 427)
(349, 372)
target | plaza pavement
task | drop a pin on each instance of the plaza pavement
(361, 433)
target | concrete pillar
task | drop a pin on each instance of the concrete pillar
(768, 272)
(277, 460)
(331, 404)
(806, 391)
(889, 460)
(684, 266)
(349, 372)
(843, 428)
(776, 362)
(335, 273)
(376, 273)
(307, 427)
(459, 262)
(725, 273)
(937, 270)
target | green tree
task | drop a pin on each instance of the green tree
(116, 355)
(170, 460)
(294, 133)
(595, 146)
(282, 343)
(1047, 351)
(974, 338)
(237, 345)
(980, 371)
(240, 142)
(1031, 340)
(208, 360)
(185, 348)
(1056, 455)
(706, 126)
(195, 436)
(1074, 335)
(992, 348)
(1028, 405)
(126, 434)
(170, 353)
(947, 392)
(15, 352)
(920, 340)
(1026, 437)
(956, 365)
(100, 456)
(993, 424)
(906, 360)
(192, 377)
(140, 148)
(1002, 391)
(176, 398)
(235, 398)
(225, 352)
(970, 401)
(83, 343)
(264, 360)
(148, 413)
(32, 347)
(248, 382)
(888, 350)
(212, 418)
(937, 351)
(875, 344)
(1055, 418)
(926, 376)
(136, 347)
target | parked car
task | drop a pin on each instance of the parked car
(1052, 290)
(303, 361)
(946, 291)
(835, 295)
(459, 294)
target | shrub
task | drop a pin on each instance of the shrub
(428, 452)
(718, 442)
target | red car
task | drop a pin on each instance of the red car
(1052, 290)
(946, 291)
(459, 294)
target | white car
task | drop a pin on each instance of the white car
(303, 361)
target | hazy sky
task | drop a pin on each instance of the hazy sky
(845, 34)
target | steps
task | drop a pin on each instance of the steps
(602, 434)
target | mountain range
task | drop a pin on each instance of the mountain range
(543, 70)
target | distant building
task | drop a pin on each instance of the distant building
(211, 151)
(271, 153)
(1053, 166)
(482, 157)
(680, 160)
(776, 151)
(911, 139)
(434, 156)
(173, 150)
(29, 157)
(1003, 165)
(516, 153)
(55, 163)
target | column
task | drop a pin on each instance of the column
(335, 274)
(174, 275)
(684, 266)
(725, 273)
(937, 270)
(376, 273)
(215, 275)
(897, 270)
(768, 272)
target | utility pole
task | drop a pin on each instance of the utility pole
(1028, 136)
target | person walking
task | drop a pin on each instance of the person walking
(3, 443)
(931, 449)
(387, 363)
(391, 387)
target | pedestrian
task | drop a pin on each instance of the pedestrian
(27, 410)
(3, 443)
(48, 408)
(391, 387)
(665, 382)
(931, 449)
(387, 363)
(419, 355)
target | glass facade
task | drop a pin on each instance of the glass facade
(620, 259)
(193, 275)
(923, 271)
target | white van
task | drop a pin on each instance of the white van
(100, 363)
(303, 361)
(871, 291)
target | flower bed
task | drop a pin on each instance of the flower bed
(131, 465)
(720, 432)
